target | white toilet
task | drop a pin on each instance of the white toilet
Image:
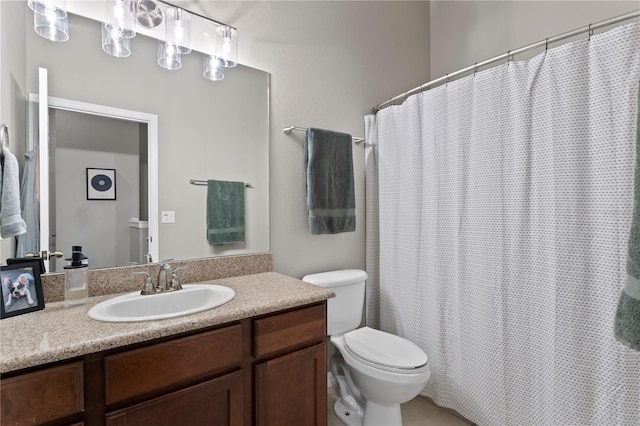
(375, 371)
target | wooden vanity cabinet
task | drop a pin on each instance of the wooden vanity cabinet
(291, 386)
(292, 389)
(267, 371)
(52, 395)
(216, 402)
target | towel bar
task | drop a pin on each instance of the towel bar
(287, 130)
(204, 182)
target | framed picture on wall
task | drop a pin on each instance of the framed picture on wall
(21, 289)
(101, 184)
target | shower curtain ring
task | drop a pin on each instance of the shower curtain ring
(546, 44)
(475, 69)
(590, 32)
(509, 58)
(446, 79)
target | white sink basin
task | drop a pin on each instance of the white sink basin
(134, 307)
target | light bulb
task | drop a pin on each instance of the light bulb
(119, 14)
(227, 46)
(178, 29)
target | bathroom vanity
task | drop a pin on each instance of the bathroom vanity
(259, 359)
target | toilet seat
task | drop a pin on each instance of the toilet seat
(385, 351)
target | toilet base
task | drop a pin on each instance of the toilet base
(346, 416)
(374, 415)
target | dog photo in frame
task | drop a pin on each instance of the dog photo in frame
(21, 289)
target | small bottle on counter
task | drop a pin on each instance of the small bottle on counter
(76, 286)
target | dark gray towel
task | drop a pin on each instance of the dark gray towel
(627, 322)
(328, 163)
(225, 212)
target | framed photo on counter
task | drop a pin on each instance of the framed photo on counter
(21, 289)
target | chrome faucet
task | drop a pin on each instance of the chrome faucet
(165, 272)
(148, 284)
(167, 280)
(175, 281)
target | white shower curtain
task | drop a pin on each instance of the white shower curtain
(504, 207)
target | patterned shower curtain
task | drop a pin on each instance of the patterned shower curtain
(498, 231)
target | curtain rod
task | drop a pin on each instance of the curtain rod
(287, 130)
(589, 28)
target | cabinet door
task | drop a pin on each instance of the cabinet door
(292, 389)
(215, 402)
(43, 396)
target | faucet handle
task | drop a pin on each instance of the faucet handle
(175, 282)
(148, 284)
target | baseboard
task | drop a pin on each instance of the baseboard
(331, 381)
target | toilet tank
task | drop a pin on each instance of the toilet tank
(344, 311)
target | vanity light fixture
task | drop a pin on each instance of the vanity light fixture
(119, 14)
(57, 7)
(169, 56)
(147, 13)
(227, 48)
(212, 68)
(50, 19)
(123, 18)
(178, 29)
(114, 43)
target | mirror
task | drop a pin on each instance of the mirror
(206, 130)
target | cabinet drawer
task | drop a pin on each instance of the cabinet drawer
(165, 364)
(288, 330)
(215, 402)
(43, 396)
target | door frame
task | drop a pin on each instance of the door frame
(151, 120)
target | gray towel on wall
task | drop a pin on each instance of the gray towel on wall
(225, 212)
(330, 195)
(627, 322)
(11, 222)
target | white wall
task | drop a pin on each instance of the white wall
(466, 32)
(330, 63)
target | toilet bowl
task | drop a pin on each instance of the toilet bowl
(376, 371)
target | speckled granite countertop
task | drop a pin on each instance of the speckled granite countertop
(56, 333)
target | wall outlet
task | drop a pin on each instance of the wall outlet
(168, 217)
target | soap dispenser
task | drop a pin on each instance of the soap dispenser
(76, 286)
(85, 260)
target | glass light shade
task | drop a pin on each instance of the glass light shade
(49, 26)
(227, 46)
(113, 43)
(212, 68)
(178, 29)
(119, 14)
(56, 7)
(168, 56)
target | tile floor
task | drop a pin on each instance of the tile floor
(417, 412)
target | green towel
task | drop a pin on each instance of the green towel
(330, 195)
(627, 322)
(225, 212)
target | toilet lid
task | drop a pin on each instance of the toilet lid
(385, 349)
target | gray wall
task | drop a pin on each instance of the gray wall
(82, 141)
(330, 63)
(466, 32)
(12, 87)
